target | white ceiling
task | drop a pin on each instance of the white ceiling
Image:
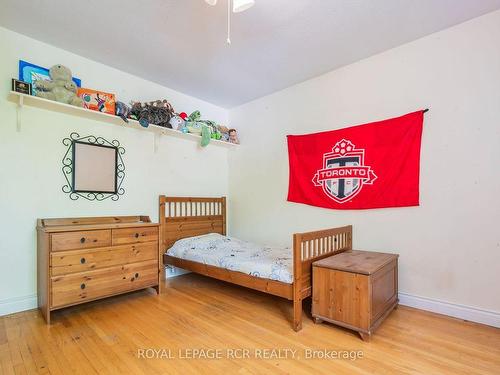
(277, 43)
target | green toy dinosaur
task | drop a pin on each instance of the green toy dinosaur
(206, 128)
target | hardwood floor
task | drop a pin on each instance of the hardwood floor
(194, 312)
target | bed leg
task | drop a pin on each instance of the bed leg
(297, 314)
(297, 282)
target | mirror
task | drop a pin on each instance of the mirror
(94, 168)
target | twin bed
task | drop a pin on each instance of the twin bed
(193, 237)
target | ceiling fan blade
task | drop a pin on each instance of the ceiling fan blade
(241, 5)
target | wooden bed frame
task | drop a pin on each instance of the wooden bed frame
(182, 217)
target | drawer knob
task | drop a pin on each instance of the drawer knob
(82, 261)
(82, 286)
(137, 235)
(82, 240)
(136, 275)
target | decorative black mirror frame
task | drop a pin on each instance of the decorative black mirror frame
(67, 168)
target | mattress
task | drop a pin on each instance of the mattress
(236, 255)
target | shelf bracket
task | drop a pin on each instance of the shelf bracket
(20, 104)
(156, 142)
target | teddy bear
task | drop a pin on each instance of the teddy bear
(60, 88)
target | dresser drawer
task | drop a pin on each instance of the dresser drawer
(81, 240)
(134, 235)
(84, 286)
(70, 261)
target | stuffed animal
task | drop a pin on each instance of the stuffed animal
(184, 116)
(206, 135)
(135, 110)
(122, 110)
(224, 131)
(216, 136)
(60, 88)
(158, 113)
(162, 104)
(195, 125)
(233, 137)
(176, 122)
(213, 127)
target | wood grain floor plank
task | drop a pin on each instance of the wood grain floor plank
(20, 369)
(6, 365)
(3, 333)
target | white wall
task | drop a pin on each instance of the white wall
(30, 161)
(449, 246)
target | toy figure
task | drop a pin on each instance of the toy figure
(233, 137)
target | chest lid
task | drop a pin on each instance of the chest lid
(357, 261)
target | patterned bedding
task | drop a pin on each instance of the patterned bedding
(236, 255)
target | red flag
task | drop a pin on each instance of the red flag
(366, 166)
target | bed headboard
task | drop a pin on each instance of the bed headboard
(182, 217)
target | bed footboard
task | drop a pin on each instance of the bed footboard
(307, 248)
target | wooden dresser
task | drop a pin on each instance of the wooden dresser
(355, 289)
(85, 259)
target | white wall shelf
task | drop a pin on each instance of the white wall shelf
(34, 101)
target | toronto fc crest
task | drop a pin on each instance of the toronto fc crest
(344, 172)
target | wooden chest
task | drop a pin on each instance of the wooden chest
(355, 289)
(85, 259)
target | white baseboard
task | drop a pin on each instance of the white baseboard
(17, 304)
(491, 318)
